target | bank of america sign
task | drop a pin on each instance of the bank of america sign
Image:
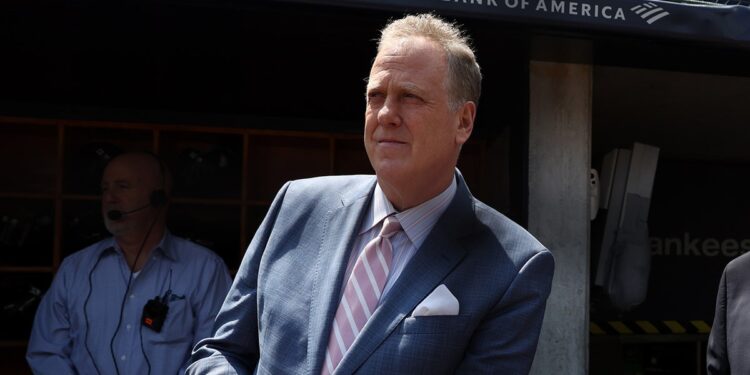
(649, 12)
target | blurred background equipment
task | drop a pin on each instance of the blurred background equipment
(25, 235)
(209, 172)
(625, 255)
(90, 160)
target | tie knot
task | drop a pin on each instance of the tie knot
(390, 227)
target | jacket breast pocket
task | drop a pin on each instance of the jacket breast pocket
(434, 325)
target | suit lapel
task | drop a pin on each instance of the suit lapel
(434, 260)
(341, 227)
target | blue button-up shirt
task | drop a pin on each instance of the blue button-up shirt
(78, 317)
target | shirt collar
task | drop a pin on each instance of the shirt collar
(165, 246)
(416, 221)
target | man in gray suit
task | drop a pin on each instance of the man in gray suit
(727, 345)
(404, 272)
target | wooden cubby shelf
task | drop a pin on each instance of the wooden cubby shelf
(225, 179)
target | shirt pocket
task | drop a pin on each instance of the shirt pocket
(434, 325)
(178, 325)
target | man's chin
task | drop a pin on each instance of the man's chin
(392, 167)
(115, 229)
(395, 176)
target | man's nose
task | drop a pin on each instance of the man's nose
(108, 196)
(389, 114)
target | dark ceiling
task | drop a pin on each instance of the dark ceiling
(199, 60)
(262, 59)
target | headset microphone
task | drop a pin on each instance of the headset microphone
(117, 214)
(158, 198)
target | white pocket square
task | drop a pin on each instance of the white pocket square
(440, 302)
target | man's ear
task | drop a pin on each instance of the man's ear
(466, 115)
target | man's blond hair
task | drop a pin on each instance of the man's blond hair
(464, 81)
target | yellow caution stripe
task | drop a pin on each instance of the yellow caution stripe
(620, 327)
(595, 329)
(675, 326)
(648, 327)
(701, 326)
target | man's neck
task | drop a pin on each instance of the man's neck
(413, 193)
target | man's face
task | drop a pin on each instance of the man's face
(411, 132)
(127, 184)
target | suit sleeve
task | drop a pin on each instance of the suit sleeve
(716, 353)
(234, 347)
(506, 340)
(50, 344)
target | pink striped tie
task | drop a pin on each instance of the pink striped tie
(361, 294)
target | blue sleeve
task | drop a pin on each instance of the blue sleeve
(214, 286)
(234, 347)
(506, 340)
(50, 344)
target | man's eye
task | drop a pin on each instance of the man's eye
(409, 97)
(374, 96)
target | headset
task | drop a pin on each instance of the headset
(158, 306)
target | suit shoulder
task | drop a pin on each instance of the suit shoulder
(740, 264)
(345, 188)
(512, 238)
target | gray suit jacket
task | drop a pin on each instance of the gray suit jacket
(730, 334)
(277, 316)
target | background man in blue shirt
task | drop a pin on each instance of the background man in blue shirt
(134, 303)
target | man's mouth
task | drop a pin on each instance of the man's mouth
(390, 141)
